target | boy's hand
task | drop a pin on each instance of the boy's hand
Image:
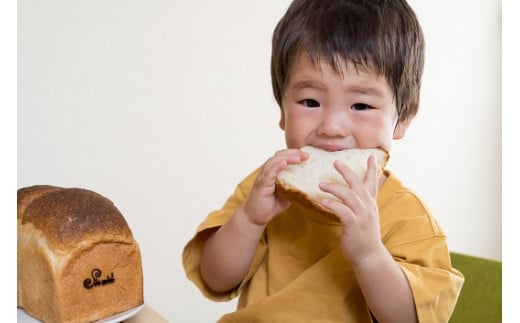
(358, 211)
(262, 204)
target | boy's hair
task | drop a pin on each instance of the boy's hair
(381, 36)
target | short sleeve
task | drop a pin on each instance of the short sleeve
(434, 282)
(419, 246)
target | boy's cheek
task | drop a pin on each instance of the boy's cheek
(294, 138)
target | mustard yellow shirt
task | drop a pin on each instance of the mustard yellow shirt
(299, 273)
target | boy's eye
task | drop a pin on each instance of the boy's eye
(360, 106)
(310, 103)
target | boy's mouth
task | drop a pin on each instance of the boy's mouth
(332, 147)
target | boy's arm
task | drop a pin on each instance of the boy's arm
(228, 252)
(380, 278)
(385, 287)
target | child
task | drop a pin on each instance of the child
(346, 74)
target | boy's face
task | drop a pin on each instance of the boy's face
(335, 111)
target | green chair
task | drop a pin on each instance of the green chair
(480, 299)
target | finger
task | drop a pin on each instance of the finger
(278, 163)
(274, 167)
(343, 212)
(343, 193)
(292, 156)
(371, 176)
(351, 178)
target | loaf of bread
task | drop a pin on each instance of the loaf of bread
(77, 258)
(300, 183)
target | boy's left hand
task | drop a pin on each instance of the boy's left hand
(357, 211)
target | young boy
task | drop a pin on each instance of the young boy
(346, 74)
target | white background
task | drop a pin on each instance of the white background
(163, 106)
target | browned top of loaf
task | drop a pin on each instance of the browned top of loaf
(27, 194)
(67, 216)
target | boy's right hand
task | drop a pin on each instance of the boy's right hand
(262, 204)
(227, 252)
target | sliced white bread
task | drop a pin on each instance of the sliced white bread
(300, 183)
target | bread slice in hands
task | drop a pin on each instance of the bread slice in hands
(300, 183)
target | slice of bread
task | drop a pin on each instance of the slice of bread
(300, 183)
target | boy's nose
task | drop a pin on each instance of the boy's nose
(334, 124)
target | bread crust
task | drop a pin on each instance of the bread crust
(27, 194)
(77, 258)
(69, 216)
(297, 196)
(24, 197)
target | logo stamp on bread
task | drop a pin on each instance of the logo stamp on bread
(95, 281)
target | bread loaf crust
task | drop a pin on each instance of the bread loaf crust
(77, 258)
(69, 216)
(24, 197)
(27, 194)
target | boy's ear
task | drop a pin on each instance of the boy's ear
(282, 120)
(401, 127)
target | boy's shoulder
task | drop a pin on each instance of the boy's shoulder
(403, 207)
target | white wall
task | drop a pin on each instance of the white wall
(163, 106)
